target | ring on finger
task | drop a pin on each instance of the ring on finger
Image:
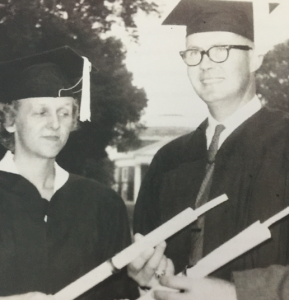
(159, 273)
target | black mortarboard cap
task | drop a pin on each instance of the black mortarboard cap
(212, 15)
(55, 73)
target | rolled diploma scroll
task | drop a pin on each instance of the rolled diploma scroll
(246, 240)
(249, 238)
(239, 244)
(130, 253)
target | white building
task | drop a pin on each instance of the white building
(130, 167)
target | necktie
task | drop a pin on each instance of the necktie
(203, 196)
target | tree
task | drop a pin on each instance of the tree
(273, 78)
(32, 26)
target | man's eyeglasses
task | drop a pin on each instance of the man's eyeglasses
(217, 54)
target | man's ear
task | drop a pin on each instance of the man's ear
(10, 128)
(256, 61)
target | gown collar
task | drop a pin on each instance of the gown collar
(7, 164)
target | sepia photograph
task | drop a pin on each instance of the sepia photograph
(144, 149)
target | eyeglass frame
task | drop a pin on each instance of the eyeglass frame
(203, 52)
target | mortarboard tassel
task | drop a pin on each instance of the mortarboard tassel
(85, 113)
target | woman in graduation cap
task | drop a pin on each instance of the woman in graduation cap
(54, 226)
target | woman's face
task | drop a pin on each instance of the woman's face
(42, 126)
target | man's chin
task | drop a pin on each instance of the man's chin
(212, 98)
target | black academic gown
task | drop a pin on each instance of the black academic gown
(251, 167)
(86, 225)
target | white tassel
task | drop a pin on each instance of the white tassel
(85, 113)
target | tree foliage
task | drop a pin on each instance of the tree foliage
(273, 78)
(32, 26)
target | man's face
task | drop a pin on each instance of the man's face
(42, 126)
(228, 80)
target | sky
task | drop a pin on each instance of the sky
(158, 68)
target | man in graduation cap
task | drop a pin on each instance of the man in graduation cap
(241, 150)
(54, 226)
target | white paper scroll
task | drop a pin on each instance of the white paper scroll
(126, 256)
(246, 240)
(249, 238)
(241, 243)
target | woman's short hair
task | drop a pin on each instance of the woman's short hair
(8, 113)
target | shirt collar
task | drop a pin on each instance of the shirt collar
(7, 164)
(240, 115)
(234, 120)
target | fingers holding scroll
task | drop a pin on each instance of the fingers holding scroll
(150, 266)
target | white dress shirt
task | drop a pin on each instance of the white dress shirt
(233, 121)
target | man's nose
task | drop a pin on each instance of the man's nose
(206, 62)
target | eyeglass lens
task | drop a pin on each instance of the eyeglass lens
(194, 56)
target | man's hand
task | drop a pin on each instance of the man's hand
(29, 296)
(151, 262)
(196, 289)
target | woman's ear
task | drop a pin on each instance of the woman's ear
(9, 117)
